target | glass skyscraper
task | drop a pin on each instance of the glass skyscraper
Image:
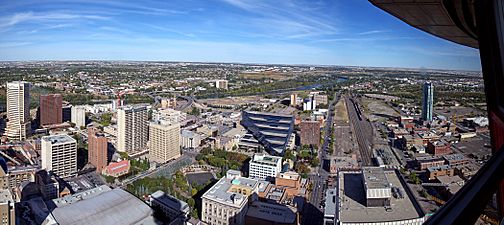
(428, 101)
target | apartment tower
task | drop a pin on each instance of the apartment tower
(132, 129)
(164, 141)
(59, 155)
(221, 84)
(97, 149)
(18, 110)
(293, 99)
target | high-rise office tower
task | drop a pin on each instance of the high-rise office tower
(132, 129)
(51, 111)
(59, 155)
(428, 101)
(97, 149)
(164, 141)
(79, 116)
(18, 110)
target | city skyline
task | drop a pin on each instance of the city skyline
(320, 33)
(236, 112)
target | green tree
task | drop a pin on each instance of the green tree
(414, 178)
(195, 111)
(304, 154)
(194, 213)
(105, 119)
(315, 162)
(191, 202)
(289, 155)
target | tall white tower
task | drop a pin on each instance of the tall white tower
(132, 129)
(18, 110)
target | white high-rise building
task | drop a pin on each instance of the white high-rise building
(428, 101)
(132, 129)
(79, 116)
(164, 141)
(309, 104)
(221, 84)
(18, 110)
(59, 155)
(264, 166)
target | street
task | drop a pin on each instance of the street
(313, 213)
(184, 157)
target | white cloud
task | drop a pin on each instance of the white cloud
(372, 32)
(13, 44)
(286, 19)
(31, 17)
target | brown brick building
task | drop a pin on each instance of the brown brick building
(436, 171)
(290, 181)
(425, 162)
(310, 133)
(97, 149)
(51, 111)
(439, 148)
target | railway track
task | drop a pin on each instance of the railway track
(363, 131)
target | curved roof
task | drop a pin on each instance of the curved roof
(114, 206)
(450, 20)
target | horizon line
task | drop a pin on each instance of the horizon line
(244, 63)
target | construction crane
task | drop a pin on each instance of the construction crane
(119, 96)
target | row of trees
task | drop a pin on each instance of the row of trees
(177, 186)
(222, 159)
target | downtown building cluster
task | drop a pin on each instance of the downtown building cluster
(49, 141)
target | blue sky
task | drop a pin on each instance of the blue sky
(331, 32)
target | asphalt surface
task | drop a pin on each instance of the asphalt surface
(189, 100)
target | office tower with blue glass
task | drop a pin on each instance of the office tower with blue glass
(428, 101)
